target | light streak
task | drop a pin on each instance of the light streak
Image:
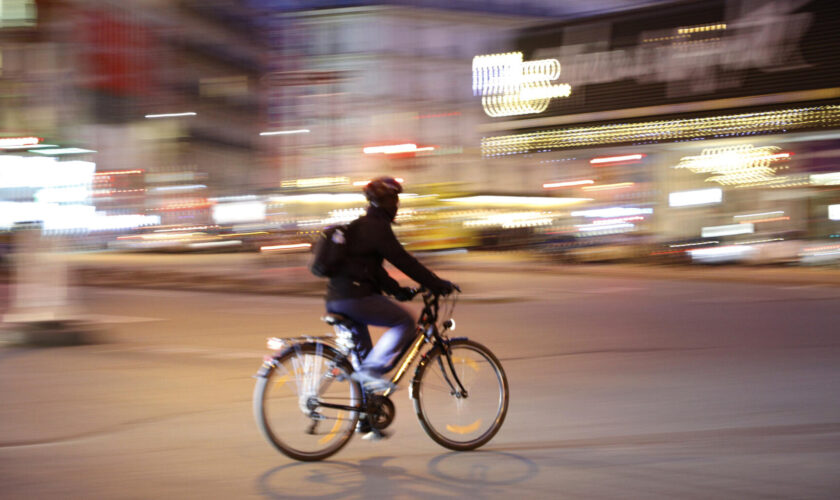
(119, 172)
(616, 159)
(771, 219)
(287, 132)
(18, 142)
(553, 185)
(292, 246)
(607, 187)
(395, 149)
(777, 212)
(171, 115)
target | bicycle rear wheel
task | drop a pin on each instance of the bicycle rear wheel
(289, 402)
(453, 421)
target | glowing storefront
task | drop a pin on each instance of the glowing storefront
(709, 114)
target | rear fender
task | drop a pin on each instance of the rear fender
(270, 361)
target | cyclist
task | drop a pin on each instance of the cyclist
(356, 290)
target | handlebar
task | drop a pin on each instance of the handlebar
(428, 293)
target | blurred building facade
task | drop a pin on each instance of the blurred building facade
(351, 82)
(708, 122)
(162, 96)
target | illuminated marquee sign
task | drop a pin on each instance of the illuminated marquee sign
(689, 51)
(510, 86)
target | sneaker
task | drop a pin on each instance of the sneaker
(375, 435)
(372, 383)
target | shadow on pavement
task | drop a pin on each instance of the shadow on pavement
(452, 475)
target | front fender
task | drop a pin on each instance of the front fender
(415, 380)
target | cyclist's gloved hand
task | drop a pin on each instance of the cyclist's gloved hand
(404, 294)
(444, 287)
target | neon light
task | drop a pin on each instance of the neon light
(287, 132)
(616, 159)
(172, 115)
(553, 185)
(509, 86)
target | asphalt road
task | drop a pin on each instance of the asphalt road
(620, 388)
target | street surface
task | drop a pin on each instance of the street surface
(620, 388)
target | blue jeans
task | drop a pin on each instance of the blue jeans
(377, 310)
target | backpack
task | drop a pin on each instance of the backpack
(329, 251)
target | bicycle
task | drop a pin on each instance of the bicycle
(307, 405)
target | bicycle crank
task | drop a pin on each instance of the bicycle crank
(381, 411)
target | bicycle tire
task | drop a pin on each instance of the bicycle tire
(461, 424)
(280, 407)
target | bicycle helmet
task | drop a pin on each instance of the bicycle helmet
(382, 189)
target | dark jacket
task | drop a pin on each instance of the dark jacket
(370, 240)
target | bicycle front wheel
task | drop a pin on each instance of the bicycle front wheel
(307, 406)
(455, 421)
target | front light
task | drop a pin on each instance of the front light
(276, 344)
(449, 324)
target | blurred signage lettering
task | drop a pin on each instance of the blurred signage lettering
(690, 51)
(766, 38)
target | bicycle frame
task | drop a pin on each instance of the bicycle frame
(427, 331)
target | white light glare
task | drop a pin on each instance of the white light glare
(226, 213)
(834, 212)
(721, 254)
(171, 115)
(287, 132)
(695, 197)
(830, 179)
